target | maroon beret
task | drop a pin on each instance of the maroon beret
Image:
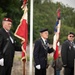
(7, 19)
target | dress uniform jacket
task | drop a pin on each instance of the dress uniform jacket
(40, 53)
(68, 53)
(12, 46)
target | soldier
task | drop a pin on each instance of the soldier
(7, 47)
(41, 49)
(68, 54)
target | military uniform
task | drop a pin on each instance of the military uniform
(68, 56)
(9, 53)
(40, 56)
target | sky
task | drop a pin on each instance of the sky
(70, 3)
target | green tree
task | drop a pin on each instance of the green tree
(45, 17)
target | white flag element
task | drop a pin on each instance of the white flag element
(56, 36)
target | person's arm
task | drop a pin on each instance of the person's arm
(50, 50)
(17, 46)
(1, 50)
(64, 54)
(1, 53)
(36, 52)
(53, 64)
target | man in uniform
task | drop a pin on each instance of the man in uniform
(68, 54)
(41, 49)
(7, 47)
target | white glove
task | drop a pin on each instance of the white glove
(2, 61)
(38, 67)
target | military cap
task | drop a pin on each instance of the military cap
(43, 30)
(7, 19)
(71, 33)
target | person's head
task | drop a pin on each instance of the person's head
(71, 36)
(7, 23)
(44, 33)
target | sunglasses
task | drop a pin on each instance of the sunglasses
(71, 36)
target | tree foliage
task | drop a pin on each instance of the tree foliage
(11, 9)
(45, 17)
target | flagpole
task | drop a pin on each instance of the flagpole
(31, 36)
(23, 67)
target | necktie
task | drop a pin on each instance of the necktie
(46, 42)
(10, 37)
(71, 43)
(8, 33)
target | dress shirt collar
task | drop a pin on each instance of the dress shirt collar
(6, 30)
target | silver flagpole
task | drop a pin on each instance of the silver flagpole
(31, 36)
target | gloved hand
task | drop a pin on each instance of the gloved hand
(2, 61)
(65, 66)
(38, 67)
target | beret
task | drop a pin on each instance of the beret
(43, 30)
(7, 19)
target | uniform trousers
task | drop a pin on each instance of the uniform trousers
(5, 70)
(68, 71)
(40, 72)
